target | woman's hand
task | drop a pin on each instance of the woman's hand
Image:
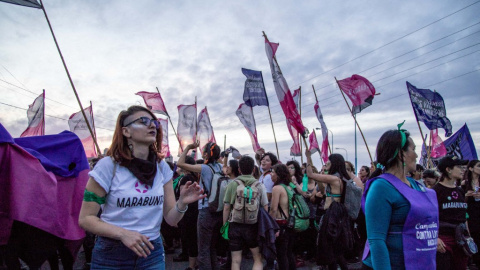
(137, 242)
(194, 145)
(308, 153)
(441, 246)
(190, 192)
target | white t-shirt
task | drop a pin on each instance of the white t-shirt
(266, 180)
(129, 203)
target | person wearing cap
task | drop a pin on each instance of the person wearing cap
(452, 212)
(430, 178)
(401, 214)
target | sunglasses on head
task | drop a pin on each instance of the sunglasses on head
(145, 121)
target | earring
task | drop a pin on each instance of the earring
(404, 164)
(130, 146)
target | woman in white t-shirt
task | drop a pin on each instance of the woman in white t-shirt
(134, 186)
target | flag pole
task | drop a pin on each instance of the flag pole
(315, 134)
(43, 127)
(170, 120)
(69, 77)
(354, 118)
(225, 142)
(300, 111)
(94, 131)
(316, 99)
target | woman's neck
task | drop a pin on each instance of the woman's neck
(448, 182)
(140, 151)
(399, 172)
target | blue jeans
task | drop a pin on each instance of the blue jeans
(113, 254)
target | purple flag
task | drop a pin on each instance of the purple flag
(254, 93)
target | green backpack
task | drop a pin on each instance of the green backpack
(298, 208)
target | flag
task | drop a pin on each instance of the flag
(429, 108)
(187, 125)
(461, 144)
(296, 98)
(245, 114)
(283, 92)
(36, 117)
(325, 142)
(154, 102)
(254, 93)
(438, 149)
(25, 3)
(312, 140)
(205, 130)
(165, 148)
(295, 149)
(77, 125)
(359, 90)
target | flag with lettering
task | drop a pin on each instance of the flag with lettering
(77, 125)
(461, 144)
(429, 108)
(154, 102)
(254, 92)
(187, 125)
(205, 130)
(312, 140)
(359, 90)
(36, 117)
(283, 91)
(165, 147)
(245, 114)
(25, 3)
(325, 143)
(438, 149)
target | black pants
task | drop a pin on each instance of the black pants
(188, 233)
(284, 245)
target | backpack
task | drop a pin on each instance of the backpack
(217, 193)
(298, 208)
(351, 197)
(247, 203)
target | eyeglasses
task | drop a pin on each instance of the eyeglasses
(291, 168)
(146, 121)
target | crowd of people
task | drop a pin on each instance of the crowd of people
(219, 206)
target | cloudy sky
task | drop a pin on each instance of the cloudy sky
(190, 49)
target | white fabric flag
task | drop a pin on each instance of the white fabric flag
(77, 125)
(36, 117)
(165, 147)
(205, 130)
(187, 127)
(245, 114)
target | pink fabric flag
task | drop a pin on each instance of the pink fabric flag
(359, 90)
(154, 102)
(77, 125)
(245, 114)
(205, 130)
(325, 142)
(165, 148)
(438, 148)
(312, 140)
(36, 117)
(295, 148)
(296, 98)
(283, 92)
(187, 127)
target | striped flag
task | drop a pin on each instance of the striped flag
(312, 140)
(187, 125)
(36, 117)
(205, 130)
(325, 142)
(77, 125)
(245, 114)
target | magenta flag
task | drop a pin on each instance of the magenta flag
(312, 140)
(245, 114)
(165, 148)
(205, 130)
(187, 125)
(295, 148)
(36, 117)
(283, 92)
(77, 125)
(359, 90)
(296, 98)
(325, 142)
(438, 148)
(154, 102)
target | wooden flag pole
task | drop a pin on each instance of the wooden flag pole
(69, 77)
(274, 136)
(300, 111)
(225, 142)
(354, 118)
(43, 127)
(94, 132)
(429, 152)
(316, 99)
(174, 131)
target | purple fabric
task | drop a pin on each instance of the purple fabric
(420, 231)
(34, 195)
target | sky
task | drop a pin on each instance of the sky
(196, 49)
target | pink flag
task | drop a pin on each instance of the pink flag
(312, 140)
(438, 148)
(245, 114)
(205, 130)
(187, 125)
(359, 90)
(154, 102)
(77, 125)
(296, 98)
(283, 92)
(295, 149)
(165, 147)
(319, 114)
(36, 118)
